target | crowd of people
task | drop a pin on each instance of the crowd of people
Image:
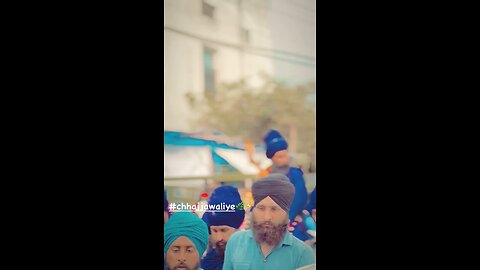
(281, 234)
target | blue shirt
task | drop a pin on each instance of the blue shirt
(243, 253)
(212, 261)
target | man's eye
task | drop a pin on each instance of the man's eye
(274, 209)
(190, 250)
(176, 250)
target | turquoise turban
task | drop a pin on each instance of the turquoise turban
(189, 225)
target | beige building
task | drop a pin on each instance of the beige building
(293, 31)
(208, 42)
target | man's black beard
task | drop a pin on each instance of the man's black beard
(283, 169)
(271, 236)
(219, 249)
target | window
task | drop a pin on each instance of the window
(207, 9)
(209, 71)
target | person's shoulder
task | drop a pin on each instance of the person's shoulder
(210, 254)
(301, 245)
(296, 170)
(240, 235)
(304, 252)
(295, 174)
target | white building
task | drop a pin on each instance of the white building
(208, 42)
(293, 31)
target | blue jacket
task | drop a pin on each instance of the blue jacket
(299, 202)
(301, 195)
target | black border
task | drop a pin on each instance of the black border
(91, 132)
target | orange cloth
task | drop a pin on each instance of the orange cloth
(264, 173)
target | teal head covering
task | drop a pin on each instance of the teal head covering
(189, 225)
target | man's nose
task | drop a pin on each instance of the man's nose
(220, 237)
(182, 257)
(267, 216)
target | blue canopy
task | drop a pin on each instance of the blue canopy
(174, 138)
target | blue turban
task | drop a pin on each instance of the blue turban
(189, 225)
(228, 195)
(274, 142)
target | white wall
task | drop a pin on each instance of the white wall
(287, 25)
(183, 64)
(180, 77)
(293, 30)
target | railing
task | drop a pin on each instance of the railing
(238, 177)
(189, 191)
(225, 177)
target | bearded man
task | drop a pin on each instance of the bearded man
(268, 244)
(185, 239)
(221, 225)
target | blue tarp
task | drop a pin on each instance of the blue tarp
(182, 139)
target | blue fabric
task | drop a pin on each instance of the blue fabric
(243, 252)
(300, 199)
(228, 195)
(189, 225)
(274, 143)
(299, 202)
(179, 139)
(312, 203)
(310, 223)
(182, 139)
(212, 261)
(300, 231)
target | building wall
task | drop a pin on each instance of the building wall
(279, 25)
(184, 62)
(293, 30)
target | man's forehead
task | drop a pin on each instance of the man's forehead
(267, 201)
(281, 152)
